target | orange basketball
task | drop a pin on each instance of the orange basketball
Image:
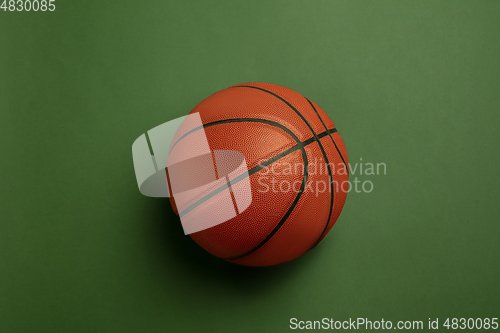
(297, 169)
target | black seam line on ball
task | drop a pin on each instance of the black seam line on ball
(290, 209)
(265, 121)
(285, 217)
(330, 178)
(323, 152)
(237, 120)
(250, 172)
(338, 150)
(345, 164)
(299, 145)
(220, 189)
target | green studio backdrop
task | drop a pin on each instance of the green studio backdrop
(412, 84)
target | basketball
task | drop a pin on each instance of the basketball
(295, 170)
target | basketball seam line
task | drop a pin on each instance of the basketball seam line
(220, 189)
(332, 197)
(257, 168)
(299, 145)
(320, 145)
(294, 203)
(331, 180)
(338, 150)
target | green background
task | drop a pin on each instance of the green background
(413, 84)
